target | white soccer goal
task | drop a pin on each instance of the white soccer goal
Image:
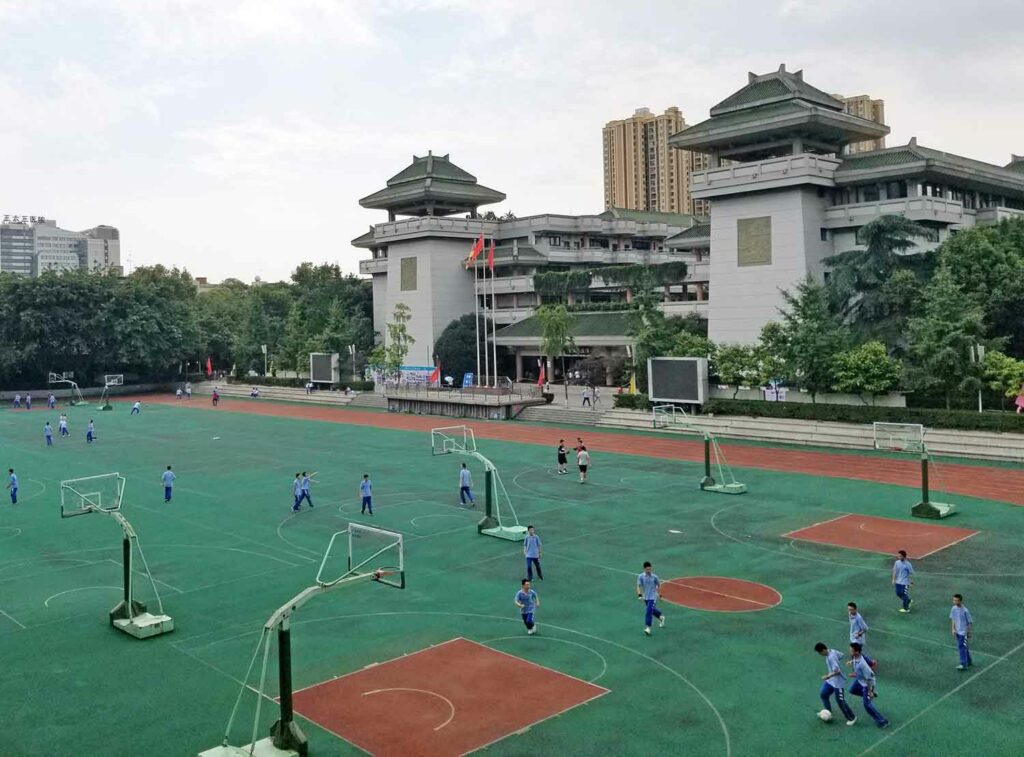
(899, 437)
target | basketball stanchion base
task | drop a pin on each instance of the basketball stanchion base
(734, 488)
(934, 510)
(489, 526)
(140, 623)
(262, 748)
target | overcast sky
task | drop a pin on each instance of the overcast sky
(235, 138)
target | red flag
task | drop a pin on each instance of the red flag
(490, 257)
(436, 375)
(540, 378)
(209, 367)
(478, 247)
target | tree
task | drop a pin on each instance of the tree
(859, 276)
(987, 262)
(866, 370)
(942, 337)
(688, 344)
(736, 365)
(1003, 374)
(391, 356)
(813, 336)
(456, 349)
(770, 352)
(556, 334)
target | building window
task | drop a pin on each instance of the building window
(555, 241)
(754, 241)
(824, 235)
(896, 190)
(408, 275)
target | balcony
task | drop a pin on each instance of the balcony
(934, 209)
(700, 307)
(773, 173)
(989, 216)
(374, 265)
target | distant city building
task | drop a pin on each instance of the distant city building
(863, 106)
(32, 245)
(641, 171)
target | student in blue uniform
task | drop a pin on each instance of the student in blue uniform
(62, 425)
(647, 591)
(961, 624)
(864, 685)
(90, 432)
(296, 491)
(168, 478)
(527, 602)
(12, 484)
(366, 492)
(859, 631)
(304, 492)
(902, 580)
(532, 550)
(833, 682)
(28, 401)
(48, 433)
(51, 401)
(466, 486)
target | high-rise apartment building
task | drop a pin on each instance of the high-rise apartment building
(863, 106)
(31, 245)
(641, 172)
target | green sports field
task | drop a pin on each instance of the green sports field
(228, 551)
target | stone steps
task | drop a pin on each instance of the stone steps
(280, 393)
(561, 414)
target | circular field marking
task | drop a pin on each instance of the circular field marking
(719, 594)
(908, 531)
(446, 700)
(5, 537)
(535, 639)
(433, 515)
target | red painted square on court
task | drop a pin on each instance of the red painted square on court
(884, 535)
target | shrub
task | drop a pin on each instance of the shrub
(633, 401)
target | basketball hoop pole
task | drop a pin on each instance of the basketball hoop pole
(924, 479)
(708, 479)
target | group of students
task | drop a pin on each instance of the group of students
(863, 667)
(187, 392)
(51, 401)
(582, 458)
(62, 427)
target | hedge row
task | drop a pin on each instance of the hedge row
(930, 417)
(965, 420)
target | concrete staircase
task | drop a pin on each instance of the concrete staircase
(985, 445)
(562, 415)
(370, 400)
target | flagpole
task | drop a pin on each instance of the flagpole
(487, 354)
(476, 320)
(494, 323)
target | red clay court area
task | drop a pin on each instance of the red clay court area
(448, 699)
(719, 594)
(884, 535)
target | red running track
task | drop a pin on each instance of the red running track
(1003, 484)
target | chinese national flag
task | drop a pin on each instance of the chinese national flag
(209, 367)
(478, 247)
(435, 377)
(490, 256)
(541, 377)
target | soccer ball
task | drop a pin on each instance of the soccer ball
(825, 715)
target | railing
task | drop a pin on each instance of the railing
(504, 394)
(771, 169)
(914, 208)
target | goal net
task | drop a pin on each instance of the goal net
(899, 437)
(100, 493)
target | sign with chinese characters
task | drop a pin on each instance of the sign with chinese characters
(10, 218)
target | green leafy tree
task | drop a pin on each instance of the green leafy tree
(770, 353)
(456, 349)
(987, 262)
(556, 335)
(858, 277)
(813, 336)
(736, 365)
(866, 370)
(1003, 373)
(688, 344)
(941, 339)
(391, 356)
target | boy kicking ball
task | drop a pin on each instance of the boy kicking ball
(527, 602)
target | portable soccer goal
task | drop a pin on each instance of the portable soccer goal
(909, 438)
(359, 554)
(103, 494)
(672, 417)
(109, 380)
(500, 519)
(67, 380)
